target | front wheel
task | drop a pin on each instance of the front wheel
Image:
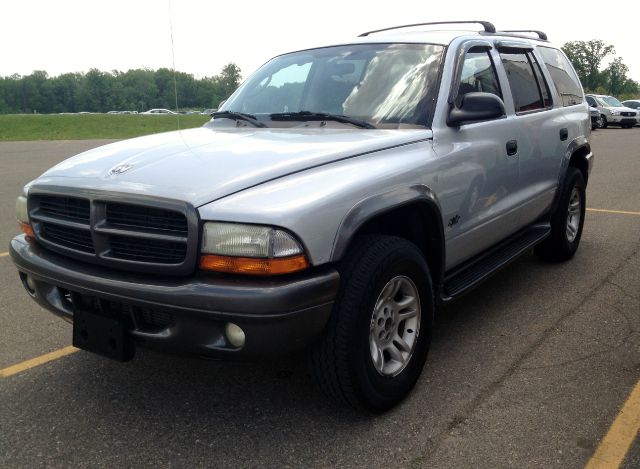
(597, 124)
(605, 124)
(567, 221)
(376, 342)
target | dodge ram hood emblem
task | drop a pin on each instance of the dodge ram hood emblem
(121, 168)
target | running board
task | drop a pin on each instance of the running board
(475, 271)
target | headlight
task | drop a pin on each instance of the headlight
(615, 113)
(22, 214)
(250, 249)
(21, 209)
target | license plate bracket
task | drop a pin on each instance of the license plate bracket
(103, 335)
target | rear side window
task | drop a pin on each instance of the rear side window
(525, 85)
(592, 102)
(542, 82)
(563, 76)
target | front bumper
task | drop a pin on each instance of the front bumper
(621, 120)
(186, 314)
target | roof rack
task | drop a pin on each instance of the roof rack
(488, 27)
(540, 34)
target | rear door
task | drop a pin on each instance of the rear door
(542, 131)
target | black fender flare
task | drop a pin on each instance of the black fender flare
(375, 205)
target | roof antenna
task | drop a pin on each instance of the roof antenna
(173, 58)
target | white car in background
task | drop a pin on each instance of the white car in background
(612, 111)
(633, 104)
(158, 111)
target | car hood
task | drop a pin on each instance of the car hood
(202, 165)
(620, 108)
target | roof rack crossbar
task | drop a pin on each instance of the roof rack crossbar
(488, 27)
(542, 35)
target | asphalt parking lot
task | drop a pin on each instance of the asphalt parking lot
(530, 370)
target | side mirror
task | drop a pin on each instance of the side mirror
(476, 107)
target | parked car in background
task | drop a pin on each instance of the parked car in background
(158, 111)
(208, 111)
(612, 111)
(634, 104)
(596, 118)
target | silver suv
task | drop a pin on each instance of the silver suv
(612, 111)
(338, 197)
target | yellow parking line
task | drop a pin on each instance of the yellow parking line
(620, 212)
(41, 360)
(4, 254)
(614, 446)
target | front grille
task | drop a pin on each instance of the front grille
(71, 238)
(68, 208)
(136, 217)
(145, 250)
(628, 114)
(138, 237)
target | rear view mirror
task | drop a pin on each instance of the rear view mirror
(476, 106)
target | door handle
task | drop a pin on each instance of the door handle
(512, 147)
(564, 134)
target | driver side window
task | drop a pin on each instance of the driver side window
(478, 74)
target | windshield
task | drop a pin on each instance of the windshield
(611, 101)
(387, 85)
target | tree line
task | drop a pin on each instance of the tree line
(588, 57)
(143, 89)
(98, 91)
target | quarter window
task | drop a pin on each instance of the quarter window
(523, 82)
(564, 78)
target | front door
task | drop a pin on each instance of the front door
(477, 175)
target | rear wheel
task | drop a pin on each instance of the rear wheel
(376, 342)
(567, 221)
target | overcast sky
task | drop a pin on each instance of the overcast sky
(61, 36)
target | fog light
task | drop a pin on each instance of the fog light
(29, 285)
(235, 334)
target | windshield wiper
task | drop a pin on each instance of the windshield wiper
(306, 116)
(239, 116)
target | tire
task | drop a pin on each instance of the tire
(343, 363)
(600, 123)
(566, 227)
(605, 124)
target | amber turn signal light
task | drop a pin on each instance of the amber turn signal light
(26, 229)
(252, 265)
